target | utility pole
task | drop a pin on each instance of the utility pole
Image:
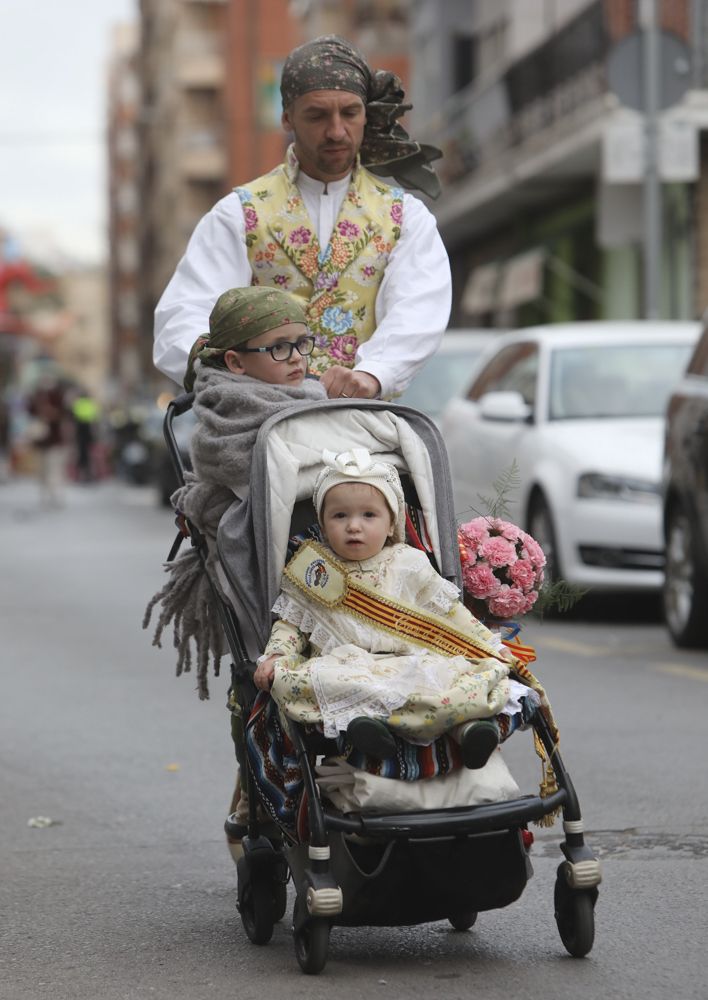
(652, 195)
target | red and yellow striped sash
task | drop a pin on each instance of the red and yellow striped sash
(326, 581)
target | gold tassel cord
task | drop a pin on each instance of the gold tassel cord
(548, 785)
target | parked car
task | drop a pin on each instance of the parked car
(447, 373)
(579, 408)
(686, 504)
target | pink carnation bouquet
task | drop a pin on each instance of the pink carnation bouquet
(502, 567)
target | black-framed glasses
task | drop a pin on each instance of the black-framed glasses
(283, 350)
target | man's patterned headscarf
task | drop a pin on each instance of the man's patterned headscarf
(333, 63)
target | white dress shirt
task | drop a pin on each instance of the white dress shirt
(412, 304)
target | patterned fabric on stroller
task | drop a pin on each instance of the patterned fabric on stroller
(365, 868)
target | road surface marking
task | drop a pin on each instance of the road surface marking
(695, 673)
(569, 646)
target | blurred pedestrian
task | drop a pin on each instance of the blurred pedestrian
(50, 436)
(4, 440)
(85, 411)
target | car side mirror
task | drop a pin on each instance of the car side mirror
(504, 406)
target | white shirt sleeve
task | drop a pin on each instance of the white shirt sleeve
(412, 305)
(215, 260)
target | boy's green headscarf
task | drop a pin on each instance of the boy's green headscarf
(239, 315)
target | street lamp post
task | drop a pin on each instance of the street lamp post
(652, 183)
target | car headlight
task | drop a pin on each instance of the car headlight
(598, 486)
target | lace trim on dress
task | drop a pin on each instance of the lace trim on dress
(442, 601)
(302, 618)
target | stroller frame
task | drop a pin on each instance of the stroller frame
(334, 879)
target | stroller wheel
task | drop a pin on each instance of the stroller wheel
(311, 942)
(463, 920)
(575, 917)
(256, 905)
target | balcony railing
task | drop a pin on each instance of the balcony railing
(547, 88)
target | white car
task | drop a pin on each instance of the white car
(579, 407)
(447, 373)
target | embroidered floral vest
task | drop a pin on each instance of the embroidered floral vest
(337, 284)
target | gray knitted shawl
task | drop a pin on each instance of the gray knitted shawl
(230, 410)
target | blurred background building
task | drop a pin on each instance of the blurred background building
(542, 210)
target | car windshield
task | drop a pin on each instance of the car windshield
(623, 380)
(444, 376)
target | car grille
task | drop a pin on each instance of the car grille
(613, 558)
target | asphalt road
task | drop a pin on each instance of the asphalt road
(130, 892)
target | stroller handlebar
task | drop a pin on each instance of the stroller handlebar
(180, 404)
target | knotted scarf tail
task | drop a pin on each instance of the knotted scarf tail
(187, 604)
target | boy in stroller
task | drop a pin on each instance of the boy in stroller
(390, 647)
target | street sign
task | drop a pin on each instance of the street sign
(625, 76)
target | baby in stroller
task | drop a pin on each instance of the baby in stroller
(390, 648)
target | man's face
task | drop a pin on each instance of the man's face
(328, 126)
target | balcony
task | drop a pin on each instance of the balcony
(202, 153)
(199, 59)
(517, 135)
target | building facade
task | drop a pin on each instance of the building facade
(538, 110)
(128, 359)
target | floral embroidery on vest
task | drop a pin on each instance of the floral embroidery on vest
(337, 283)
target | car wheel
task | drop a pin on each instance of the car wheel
(541, 528)
(685, 585)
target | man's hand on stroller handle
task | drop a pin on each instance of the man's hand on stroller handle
(265, 671)
(340, 382)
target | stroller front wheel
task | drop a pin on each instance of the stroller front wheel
(575, 917)
(311, 941)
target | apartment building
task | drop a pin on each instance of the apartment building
(543, 172)
(127, 359)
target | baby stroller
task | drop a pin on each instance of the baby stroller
(364, 868)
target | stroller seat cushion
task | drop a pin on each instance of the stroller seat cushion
(352, 790)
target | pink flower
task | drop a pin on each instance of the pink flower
(507, 601)
(251, 219)
(343, 348)
(474, 532)
(480, 581)
(498, 551)
(522, 574)
(397, 212)
(535, 552)
(507, 530)
(300, 236)
(347, 228)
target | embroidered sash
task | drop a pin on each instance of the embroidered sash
(326, 581)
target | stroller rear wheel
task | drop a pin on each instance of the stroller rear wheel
(311, 941)
(575, 917)
(463, 920)
(257, 903)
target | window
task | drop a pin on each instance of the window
(514, 369)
